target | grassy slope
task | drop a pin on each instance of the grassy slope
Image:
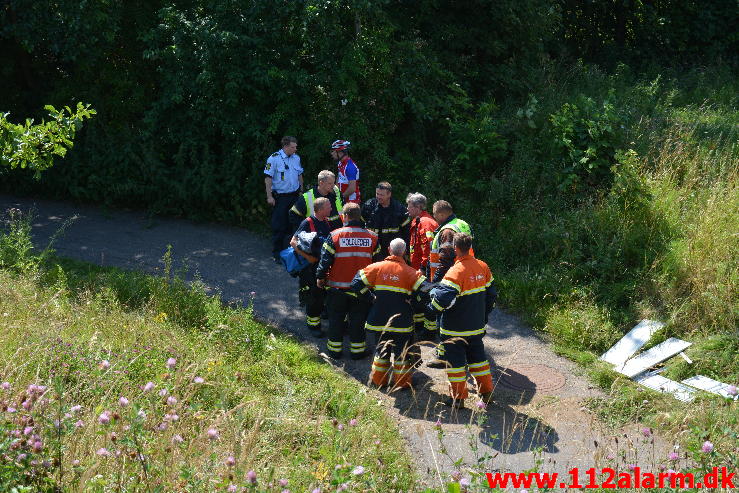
(660, 241)
(270, 399)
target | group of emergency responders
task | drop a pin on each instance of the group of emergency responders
(379, 267)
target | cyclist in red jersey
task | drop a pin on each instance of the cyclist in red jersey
(348, 171)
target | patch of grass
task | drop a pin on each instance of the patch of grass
(90, 336)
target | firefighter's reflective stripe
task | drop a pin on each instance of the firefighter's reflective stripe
(338, 284)
(384, 328)
(353, 254)
(462, 333)
(382, 287)
(358, 347)
(452, 284)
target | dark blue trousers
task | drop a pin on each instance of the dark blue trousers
(281, 230)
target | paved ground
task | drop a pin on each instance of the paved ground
(547, 425)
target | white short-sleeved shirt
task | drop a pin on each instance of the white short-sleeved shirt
(285, 171)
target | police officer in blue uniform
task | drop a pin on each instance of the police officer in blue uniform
(283, 182)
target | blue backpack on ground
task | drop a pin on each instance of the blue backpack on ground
(293, 262)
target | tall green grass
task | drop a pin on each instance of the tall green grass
(240, 397)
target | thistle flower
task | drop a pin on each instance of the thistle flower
(21, 457)
(480, 405)
(316, 490)
(75, 462)
(437, 425)
(213, 434)
(27, 405)
(104, 418)
(171, 363)
(707, 447)
(148, 387)
(103, 452)
(75, 408)
(632, 467)
(230, 461)
(28, 430)
(456, 475)
(340, 427)
(647, 432)
(251, 476)
(162, 426)
(171, 400)
(5, 385)
(283, 483)
(358, 470)
(353, 422)
(37, 446)
(732, 390)
(123, 402)
(11, 409)
(141, 414)
(104, 365)
(673, 456)
(163, 392)
(464, 483)
(177, 439)
(79, 424)
(231, 488)
(198, 380)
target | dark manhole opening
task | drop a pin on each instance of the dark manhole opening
(538, 378)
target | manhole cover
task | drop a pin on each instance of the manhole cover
(531, 377)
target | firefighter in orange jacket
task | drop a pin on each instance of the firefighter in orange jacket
(344, 253)
(422, 229)
(394, 284)
(465, 298)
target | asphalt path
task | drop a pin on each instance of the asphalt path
(538, 417)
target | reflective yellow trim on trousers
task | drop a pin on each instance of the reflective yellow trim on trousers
(462, 333)
(382, 328)
(478, 365)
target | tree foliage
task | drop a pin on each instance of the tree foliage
(34, 146)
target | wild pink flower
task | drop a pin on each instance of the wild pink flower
(162, 426)
(647, 432)
(177, 439)
(340, 427)
(353, 422)
(251, 476)
(316, 490)
(632, 467)
(285, 491)
(231, 488)
(456, 475)
(79, 424)
(76, 462)
(37, 446)
(464, 483)
(671, 472)
(673, 456)
(104, 365)
(123, 402)
(732, 390)
(230, 461)
(75, 408)
(163, 392)
(102, 451)
(22, 457)
(377, 442)
(28, 430)
(198, 380)
(610, 457)
(437, 425)
(342, 487)
(213, 434)
(104, 418)
(141, 414)
(171, 400)
(171, 417)
(480, 405)
(11, 409)
(707, 447)
(27, 405)
(148, 387)
(5, 385)
(358, 470)
(171, 363)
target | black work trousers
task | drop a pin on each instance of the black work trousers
(281, 230)
(312, 297)
(345, 309)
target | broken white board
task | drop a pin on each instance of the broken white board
(667, 386)
(709, 385)
(631, 342)
(649, 358)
